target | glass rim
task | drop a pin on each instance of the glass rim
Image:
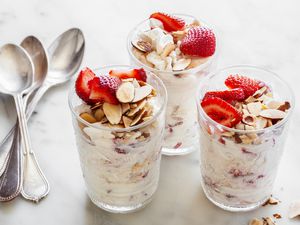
(191, 70)
(141, 125)
(222, 127)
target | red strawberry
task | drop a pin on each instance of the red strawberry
(103, 89)
(170, 23)
(138, 74)
(81, 85)
(199, 42)
(250, 86)
(221, 111)
(236, 94)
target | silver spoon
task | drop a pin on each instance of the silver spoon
(67, 48)
(39, 58)
(16, 74)
(66, 54)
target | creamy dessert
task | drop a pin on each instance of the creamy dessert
(180, 50)
(119, 125)
(242, 136)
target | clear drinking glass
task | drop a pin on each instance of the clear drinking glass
(120, 166)
(237, 176)
(181, 131)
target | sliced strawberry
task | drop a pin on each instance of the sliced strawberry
(103, 89)
(236, 94)
(81, 85)
(138, 74)
(250, 86)
(170, 23)
(199, 42)
(221, 111)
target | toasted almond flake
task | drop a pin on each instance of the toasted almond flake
(274, 104)
(181, 64)
(277, 216)
(168, 49)
(273, 201)
(142, 92)
(119, 126)
(268, 221)
(260, 92)
(250, 99)
(139, 106)
(99, 114)
(146, 118)
(254, 108)
(125, 92)
(294, 209)
(142, 45)
(112, 112)
(256, 222)
(178, 35)
(135, 83)
(138, 117)
(97, 105)
(88, 117)
(249, 119)
(261, 123)
(272, 114)
(284, 106)
(127, 121)
(125, 107)
(104, 120)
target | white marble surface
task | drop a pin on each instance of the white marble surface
(264, 33)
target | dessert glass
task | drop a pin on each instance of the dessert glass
(181, 131)
(120, 169)
(237, 176)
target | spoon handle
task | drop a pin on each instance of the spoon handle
(35, 185)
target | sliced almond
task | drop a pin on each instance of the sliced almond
(135, 83)
(142, 45)
(250, 99)
(140, 105)
(127, 121)
(112, 112)
(284, 106)
(272, 114)
(99, 114)
(138, 117)
(144, 60)
(254, 108)
(245, 139)
(249, 119)
(294, 210)
(125, 107)
(181, 64)
(125, 92)
(260, 92)
(256, 222)
(142, 92)
(168, 49)
(240, 126)
(268, 221)
(261, 123)
(274, 104)
(88, 117)
(146, 118)
(178, 35)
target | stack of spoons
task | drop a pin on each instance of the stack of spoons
(26, 73)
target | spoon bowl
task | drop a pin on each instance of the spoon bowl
(16, 69)
(66, 53)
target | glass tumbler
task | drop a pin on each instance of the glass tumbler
(237, 176)
(181, 131)
(120, 166)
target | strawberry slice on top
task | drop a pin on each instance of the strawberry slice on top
(103, 89)
(249, 85)
(236, 94)
(199, 42)
(138, 74)
(81, 85)
(170, 23)
(221, 111)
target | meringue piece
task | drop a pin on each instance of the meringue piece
(156, 60)
(154, 23)
(154, 35)
(162, 42)
(173, 55)
(168, 64)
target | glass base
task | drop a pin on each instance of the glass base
(244, 208)
(121, 209)
(178, 151)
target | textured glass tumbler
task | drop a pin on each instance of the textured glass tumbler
(238, 176)
(120, 166)
(181, 131)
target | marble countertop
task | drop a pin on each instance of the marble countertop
(263, 33)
